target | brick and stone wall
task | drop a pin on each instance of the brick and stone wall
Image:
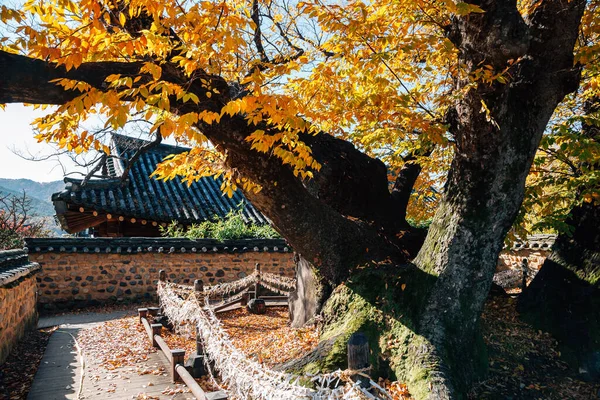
(535, 249)
(79, 272)
(509, 270)
(512, 259)
(18, 311)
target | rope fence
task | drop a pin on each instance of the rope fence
(245, 378)
(278, 280)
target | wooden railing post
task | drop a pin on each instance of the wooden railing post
(358, 356)
(195, 363)
(199, 345)
(525, 271)
(198, 286)
(177, 356)
(156, 328)
(162, 275)
(245, 298)
(142, 313)
(257, 285)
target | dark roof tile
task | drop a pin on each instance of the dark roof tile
(143, 197)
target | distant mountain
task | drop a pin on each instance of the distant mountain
(40, 194)
(39, 207)
(36, 190)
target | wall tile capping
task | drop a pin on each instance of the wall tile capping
(79, 272)
(18, 311)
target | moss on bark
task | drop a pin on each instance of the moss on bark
(384, 302)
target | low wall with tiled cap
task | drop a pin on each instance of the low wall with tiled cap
(535, 249)
(78, 272)
(17, 298)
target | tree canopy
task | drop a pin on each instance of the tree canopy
(327, 115)
(380, 74)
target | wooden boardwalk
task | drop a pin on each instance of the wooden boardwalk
(64, 374)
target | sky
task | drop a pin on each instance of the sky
(16, 134)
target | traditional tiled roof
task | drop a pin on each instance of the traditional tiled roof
(143, 197)
(14, 264)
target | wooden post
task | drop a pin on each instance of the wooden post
(198, 285)
(153, 311)
(143, 313)
(162, 275)
(199, 345)
(245, 298)
(525, 270)
(156, 328)
(257, 285)
(358, 355)
(177, 356)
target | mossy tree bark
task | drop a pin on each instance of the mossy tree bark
(421, 317)
(433, 344)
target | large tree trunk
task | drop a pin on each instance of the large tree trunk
(428, 331)
(421, 318)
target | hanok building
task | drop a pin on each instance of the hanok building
(139, 204)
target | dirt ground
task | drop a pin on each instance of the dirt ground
(523, 363)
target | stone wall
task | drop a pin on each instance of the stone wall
(17, 298)
(512, 259)
(535, 249)
(79, 272)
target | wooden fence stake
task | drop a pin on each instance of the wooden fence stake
(162, 275)
(524, 270)
(199, 345)
(198, 286)
(177, 356)
(142, 313)
(257, 285)
(245, 298)
(358, 355)
(155, 331)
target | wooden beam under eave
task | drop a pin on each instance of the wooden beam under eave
(75, 222)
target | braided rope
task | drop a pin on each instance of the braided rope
(278, 280)
(274, 289)
(246, 378)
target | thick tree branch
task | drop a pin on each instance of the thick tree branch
(333, 243)
(360, 182)
(139, 152)
(28, 80)
(357, 184)
(351, 182)
(405, 181)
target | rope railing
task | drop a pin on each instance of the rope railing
(274, 289)
(230, 300)
(223, 289)
(246, 378)
(278, 280)
(220, 289)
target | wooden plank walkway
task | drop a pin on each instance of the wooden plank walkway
(126, 383)
(59, 374)
(63, 374)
